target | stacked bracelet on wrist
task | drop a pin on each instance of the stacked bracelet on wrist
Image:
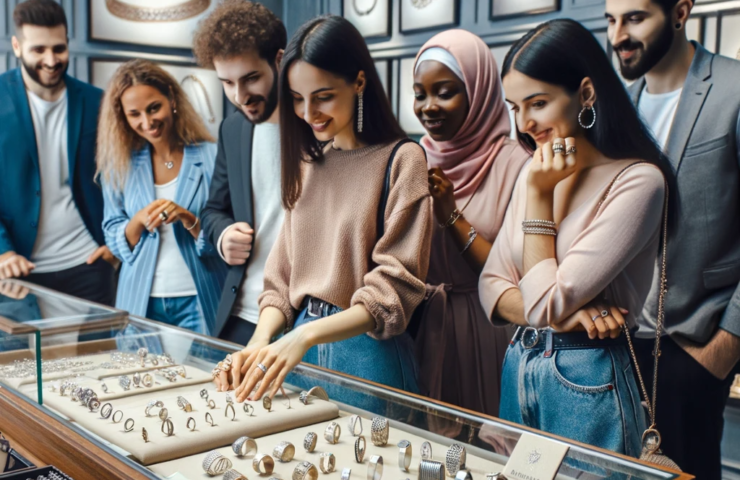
(454, 216)
(539, 227)
(193, 225)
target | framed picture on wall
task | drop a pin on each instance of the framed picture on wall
(371, 17)
(201, 85)
(516, 8)
(164, 23)
(406, 116)
(419, 15)
(729, 35)
(384, 73)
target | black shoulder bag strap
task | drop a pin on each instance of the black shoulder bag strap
(387, 187)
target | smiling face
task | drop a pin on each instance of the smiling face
(43, 53)
(323, 100)
(641, 34)
(542, 110)
(440, 100)
(148, 112)
(250, 83)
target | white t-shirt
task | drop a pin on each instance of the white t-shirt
(268, 216)
(657, 111)
(172, 277)
(62, 240)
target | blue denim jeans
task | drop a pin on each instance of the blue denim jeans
(183, 312)
(388, 362)
(588, 395)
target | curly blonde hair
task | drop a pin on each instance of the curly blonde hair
(117, 140)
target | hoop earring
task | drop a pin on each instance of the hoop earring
(580, 117)
(360, 114)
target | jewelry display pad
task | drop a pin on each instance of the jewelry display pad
(184, 442)
(343, 451)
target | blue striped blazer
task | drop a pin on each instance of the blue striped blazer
(138, 264)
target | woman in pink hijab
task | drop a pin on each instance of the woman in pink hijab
(473, 165)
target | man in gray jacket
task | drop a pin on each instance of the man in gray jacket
(690, 99)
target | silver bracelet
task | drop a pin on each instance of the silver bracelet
(539, 223)
(193, 225)
(472, 234)
(540, 231)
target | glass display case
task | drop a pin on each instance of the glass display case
(91, 380)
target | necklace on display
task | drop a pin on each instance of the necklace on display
(420, 4)
(173, 13)
(211, 115)
(366, 11)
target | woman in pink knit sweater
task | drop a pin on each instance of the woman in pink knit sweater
(348, 267)
(568, 254)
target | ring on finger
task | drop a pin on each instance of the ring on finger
(262, 367)
(558, 148)
(570, 150)
(595, 317)
(605, 313)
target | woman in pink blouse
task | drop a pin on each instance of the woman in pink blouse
(568, 254)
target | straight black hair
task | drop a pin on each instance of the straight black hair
(563, 52)
(41, 13)
(333, 44)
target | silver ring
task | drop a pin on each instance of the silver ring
(153, 404)
(187, 425)
(262, 367)
(103, 387)
(360, 446)
(126, 425)
(463, 475)
(120, 417)
(244, 446)
(346, 473)
(593, 319)
(164, 215)
(147, 380)
(455, 459)
(211, 404)
(233, 412)
(164, 414)
(375, 468)
(309, 442)
(354, 421)
(209, 419)
(248, 409)
(426, 451)
(216, 464)
(137, 380)
(558, 148)
(123, 381)
(404, 455)
(379, 430)
(332, 433)
(168, 428)
(234, 475)
(204, 394)
(605, 313)
(570, 150)
(431, 470)
(263, 464)
(183, 403)
(305, 471)
(327, 462)
(106, 410)
(284, 451)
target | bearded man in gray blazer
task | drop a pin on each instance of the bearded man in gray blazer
(690, 99)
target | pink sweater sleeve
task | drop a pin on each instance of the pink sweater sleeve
(626, 223)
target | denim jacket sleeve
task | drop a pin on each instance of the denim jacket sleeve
(115, 219)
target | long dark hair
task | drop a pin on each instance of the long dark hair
(563, 52)
(333, 44)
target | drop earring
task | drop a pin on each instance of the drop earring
(360, 114)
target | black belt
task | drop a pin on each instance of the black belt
(316, 307)
(548, 340)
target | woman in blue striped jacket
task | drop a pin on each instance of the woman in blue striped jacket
(156, 159)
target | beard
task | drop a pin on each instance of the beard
(649, 56)
(271, 101)
(34, 71)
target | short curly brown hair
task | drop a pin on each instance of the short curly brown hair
(235, 27)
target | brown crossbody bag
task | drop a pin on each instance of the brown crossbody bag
(651, 438)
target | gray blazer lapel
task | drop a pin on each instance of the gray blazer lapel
(246, 164)
(190, 176)
(694, 94)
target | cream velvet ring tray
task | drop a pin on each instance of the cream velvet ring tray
(191, 466)
(184, 442)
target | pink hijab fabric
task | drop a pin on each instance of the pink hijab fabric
(467, 158)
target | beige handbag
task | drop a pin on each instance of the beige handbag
(651, 438)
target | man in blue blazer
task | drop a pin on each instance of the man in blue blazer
(51, 210)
